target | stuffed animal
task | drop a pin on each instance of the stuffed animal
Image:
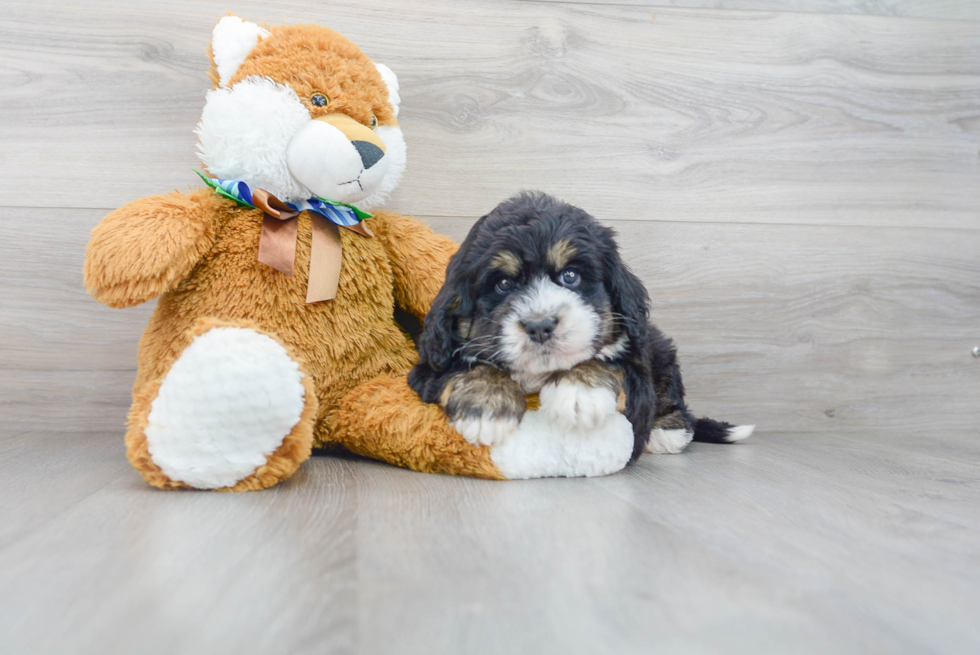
(274, 330)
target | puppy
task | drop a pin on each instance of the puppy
(538, 300)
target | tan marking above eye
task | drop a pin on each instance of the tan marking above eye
(507, 262)
(560, 253)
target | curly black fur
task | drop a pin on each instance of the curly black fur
(466, 314)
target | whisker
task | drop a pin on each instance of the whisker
(486, 347)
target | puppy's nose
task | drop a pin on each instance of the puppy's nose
(540, 330)
(370, 153)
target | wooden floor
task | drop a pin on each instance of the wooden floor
(781, 544)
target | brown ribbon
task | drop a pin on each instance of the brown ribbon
(277, 244)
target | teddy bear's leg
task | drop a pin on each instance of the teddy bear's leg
(235, 411)
(384, 419)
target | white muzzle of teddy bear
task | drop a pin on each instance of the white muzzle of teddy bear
(323, 159)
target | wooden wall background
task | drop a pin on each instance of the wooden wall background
(797, 182)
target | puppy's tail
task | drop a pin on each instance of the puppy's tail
(711, 431)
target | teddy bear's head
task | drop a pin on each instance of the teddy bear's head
(300, 111)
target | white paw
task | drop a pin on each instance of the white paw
(226, 404)
(541, 449)
(576, 407)
(668, 442)
(484, 430)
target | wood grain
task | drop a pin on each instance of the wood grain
(815, 328)
(824, 544)
(712, 551)
(796, 328)
(797, 190)
(940, 9)
(691, 115)
(94, 561)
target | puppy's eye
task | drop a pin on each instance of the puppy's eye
(319, 100)
(569, 277)
(373, 123)
(504, 286)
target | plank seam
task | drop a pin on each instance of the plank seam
(658, 7)
(423, 217)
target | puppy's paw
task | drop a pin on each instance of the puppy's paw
(573, 406)
(484, 405)
(668, 442)
(485, 430)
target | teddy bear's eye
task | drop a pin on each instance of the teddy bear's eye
(373, 123)
(319, 100)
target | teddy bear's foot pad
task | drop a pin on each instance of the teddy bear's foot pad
(225, 405)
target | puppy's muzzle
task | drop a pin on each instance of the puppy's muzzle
(540, 330)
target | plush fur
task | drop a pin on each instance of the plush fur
(537, 299)
(197, 252)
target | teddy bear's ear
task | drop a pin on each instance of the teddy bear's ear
(231, 41)
(391, 81)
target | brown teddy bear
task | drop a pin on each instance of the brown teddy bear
(274, 330)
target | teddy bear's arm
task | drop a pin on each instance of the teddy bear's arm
(145, 248)
(418, 259)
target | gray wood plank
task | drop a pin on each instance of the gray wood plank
(696, 115)
(823, 544)
(939, 9)
(770, 546)
(815, 328)
(94, 561)
(796, 328)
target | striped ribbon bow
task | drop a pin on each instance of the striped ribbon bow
(277, 243)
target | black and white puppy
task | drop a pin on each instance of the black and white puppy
(538, 300)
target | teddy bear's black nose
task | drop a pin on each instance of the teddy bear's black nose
(370, 153)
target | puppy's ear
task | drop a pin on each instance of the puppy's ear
(454, 300)
(629, 296)
(436, 345)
